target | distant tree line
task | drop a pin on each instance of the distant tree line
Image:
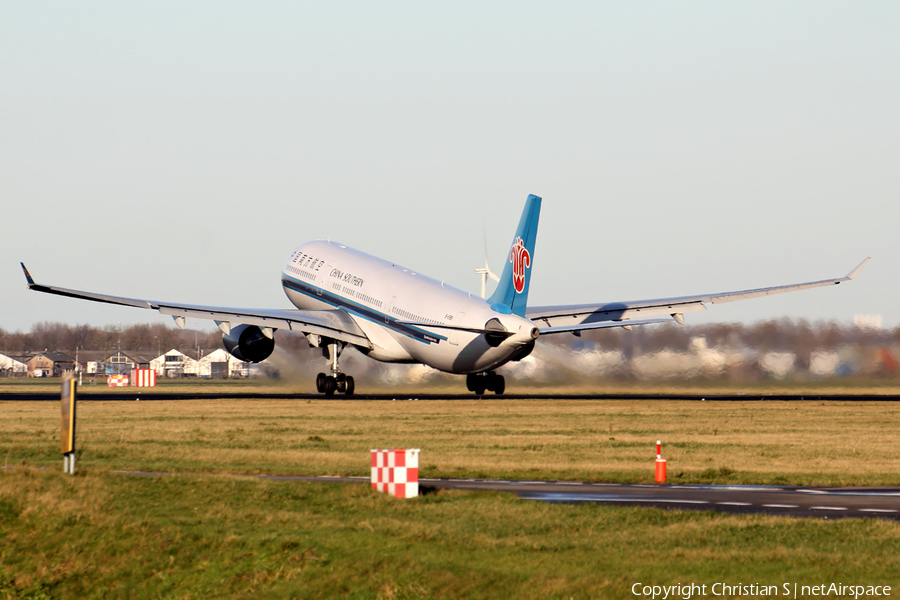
(780, 349)
(778, 335)
(799, 336)
(143, 339)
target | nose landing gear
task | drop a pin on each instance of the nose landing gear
(481, 382)
(337, 381)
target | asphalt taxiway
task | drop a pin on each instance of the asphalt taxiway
(776, 500)
(883, 502)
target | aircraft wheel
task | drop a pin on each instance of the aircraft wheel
(470, 382)
(329, 386)
(499, 385)
(349, 386)
(320, 382)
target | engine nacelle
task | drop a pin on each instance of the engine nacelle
(248, 343)
(524, 352)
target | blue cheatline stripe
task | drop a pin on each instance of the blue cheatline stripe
(363, 311)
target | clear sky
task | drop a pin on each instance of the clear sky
(181, 150)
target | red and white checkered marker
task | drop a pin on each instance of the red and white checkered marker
(143, 378)
(396, 472)
(117, 380)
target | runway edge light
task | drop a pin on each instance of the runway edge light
(660, 464)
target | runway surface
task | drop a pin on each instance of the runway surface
(826, 503)
(132, 394)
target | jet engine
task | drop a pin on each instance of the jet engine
(524, 352)
(248, 343)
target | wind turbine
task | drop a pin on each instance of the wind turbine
(486, 271)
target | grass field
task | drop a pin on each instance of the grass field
(295, 383)
(105, 535)
(801, 443)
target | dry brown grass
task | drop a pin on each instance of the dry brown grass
(804, 443)
(444, 384)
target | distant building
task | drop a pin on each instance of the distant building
(50, 364)
(10, 367)
(96, 362)
(175, 364)
(91, 361)
(219, 364)
(873, 322)
(120, 363)
(778, 364)
(824, 363)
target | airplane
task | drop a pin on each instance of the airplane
(345, 297)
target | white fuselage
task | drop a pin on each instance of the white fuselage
(407, 316)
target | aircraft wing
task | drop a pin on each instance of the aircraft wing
(335, 324)
(579, 327)
(555, 319)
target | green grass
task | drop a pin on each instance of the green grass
(102, 535)
(105, 535)
(799, 443)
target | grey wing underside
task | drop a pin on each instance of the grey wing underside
(335, 324)
(573, 318)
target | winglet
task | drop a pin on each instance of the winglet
(27, 276)
(852, 274)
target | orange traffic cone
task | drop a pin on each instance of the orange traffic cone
(660, 464)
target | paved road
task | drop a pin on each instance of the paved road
(791, 501)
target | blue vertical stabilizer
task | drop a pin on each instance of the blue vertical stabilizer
(511, 294)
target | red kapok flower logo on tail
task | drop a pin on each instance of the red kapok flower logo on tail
(521, 260)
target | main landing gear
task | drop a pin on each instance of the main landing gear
(329, 384)
(337, 381)
(490, 381)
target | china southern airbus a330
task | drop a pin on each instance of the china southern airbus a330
(392, 314)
